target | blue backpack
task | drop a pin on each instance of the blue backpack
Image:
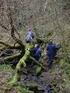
(36, 53)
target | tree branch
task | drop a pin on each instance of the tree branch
(9, 46)
(13, 30)
(9, 58)
(37, 62)
(4, 27)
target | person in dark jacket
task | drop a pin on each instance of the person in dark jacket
(36, 52)
(51, 52)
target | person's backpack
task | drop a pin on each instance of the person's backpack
(28, 38)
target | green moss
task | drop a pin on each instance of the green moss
(5, 67)
(22, 89)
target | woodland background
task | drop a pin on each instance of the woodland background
(49, 19)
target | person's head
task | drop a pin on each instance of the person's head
(29, 29)
(50, 42)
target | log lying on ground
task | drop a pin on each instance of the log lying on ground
(9, 46)
(9, 58)
(38, 63)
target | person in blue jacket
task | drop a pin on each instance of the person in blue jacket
(29, 36)
(36, 52)
(51, 52)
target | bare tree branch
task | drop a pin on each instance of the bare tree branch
(9, 46)
(13, 29)
(9, 58)
(38, 63)
(4, 26)
(8, 29)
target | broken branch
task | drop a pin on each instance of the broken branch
(4, 27)
(9, 58)
(37, 62)
(9, 46)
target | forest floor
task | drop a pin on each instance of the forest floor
(47, 81)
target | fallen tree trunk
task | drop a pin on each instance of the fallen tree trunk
(38, 63)
(9, 46)
(4, 60)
